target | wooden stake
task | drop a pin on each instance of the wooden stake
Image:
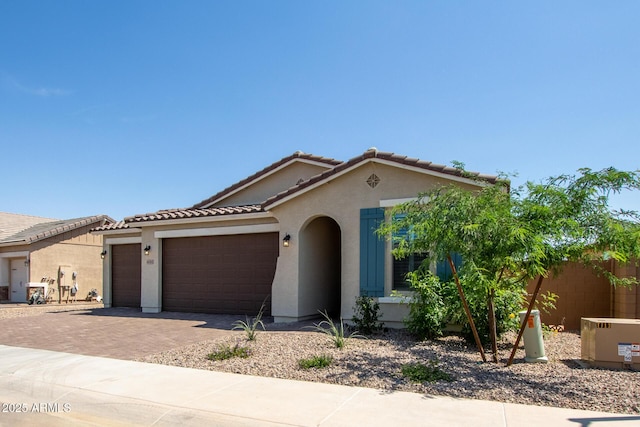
(492, 325)
(466, 308)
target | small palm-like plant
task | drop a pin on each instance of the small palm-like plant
(335, 332)
(250, 326)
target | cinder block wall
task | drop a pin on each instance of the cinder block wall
(581, 294)
(626, 301)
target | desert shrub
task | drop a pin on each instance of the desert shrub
(227, 351)
(427, 309)
(420, 373)
(507, 303)
(366, 315)
(321, 361)
(436, 303)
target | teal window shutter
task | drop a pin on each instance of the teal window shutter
(443, 269)
(371, 253)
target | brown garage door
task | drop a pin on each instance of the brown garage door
(125, 275)
(219, 274)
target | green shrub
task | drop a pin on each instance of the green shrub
(227, 351)
(321, 361)
(366, 315)
(420, 373)
(507, 302)
(434, 304)
(427, 309)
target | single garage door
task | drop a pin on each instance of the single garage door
(125, 275)
(219, 274)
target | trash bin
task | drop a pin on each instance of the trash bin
(532, 336)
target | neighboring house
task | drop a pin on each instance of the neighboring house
(298, 235)
(50, 254)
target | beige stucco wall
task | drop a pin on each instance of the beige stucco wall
(340, 199)
(77, 250)
(274, 183)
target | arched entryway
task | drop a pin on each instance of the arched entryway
(320, 267)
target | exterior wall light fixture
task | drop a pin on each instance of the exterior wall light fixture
(285, 240)
(103, 254)
(27, 262)
(147, 249)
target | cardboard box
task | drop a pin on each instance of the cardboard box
(611, 343)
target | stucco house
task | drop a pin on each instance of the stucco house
(49, 254)
(298, 235)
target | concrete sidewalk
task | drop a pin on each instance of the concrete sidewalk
(41, 387)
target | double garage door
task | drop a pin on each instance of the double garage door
(219, 274)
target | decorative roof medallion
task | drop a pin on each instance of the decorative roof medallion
(373, 180)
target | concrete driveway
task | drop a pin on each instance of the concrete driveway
(120, 333)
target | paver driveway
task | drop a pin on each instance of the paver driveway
(119, 333)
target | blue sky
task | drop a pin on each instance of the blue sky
(127, 107)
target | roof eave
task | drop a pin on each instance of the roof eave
(14, 243)
(265, 172)
(56, 231)
(260, 178)
(117, 231)
(480, 182)
(192, 220)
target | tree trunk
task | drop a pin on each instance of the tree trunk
(524, 321)
(466, 308)
(493, 333)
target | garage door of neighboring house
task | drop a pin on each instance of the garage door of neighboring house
(125, 275)
(219, 274)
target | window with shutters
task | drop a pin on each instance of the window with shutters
(373, 255)
(406, 265)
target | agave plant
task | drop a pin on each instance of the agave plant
(250, 326)
(335, 332)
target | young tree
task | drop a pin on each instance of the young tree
(572, 217)
(477, 225)
(506, 238)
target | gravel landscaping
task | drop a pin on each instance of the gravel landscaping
(377, 363)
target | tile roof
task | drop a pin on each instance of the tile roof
(375, 154)
(118, 225)
(11, 223)
(168, 214)
(334, 167)
(26, 230)
(297, 155)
